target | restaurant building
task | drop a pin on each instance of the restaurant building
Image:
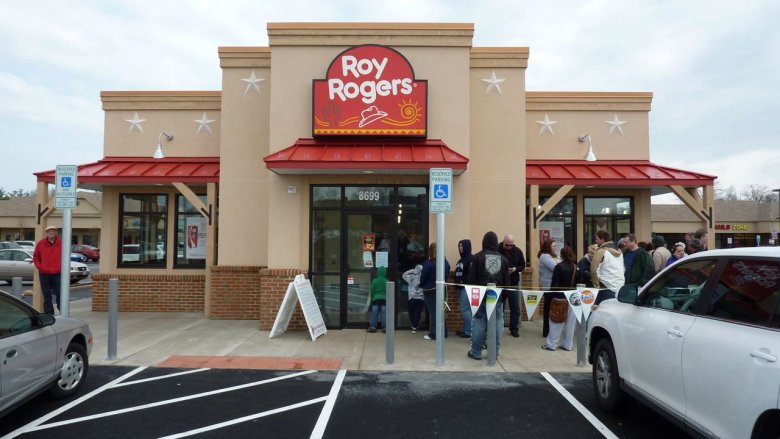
(314, 158)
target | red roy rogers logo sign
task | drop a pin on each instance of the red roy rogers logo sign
(370, 91)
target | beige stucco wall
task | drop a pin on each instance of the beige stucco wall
(170, 112)
(496, 176)
(580, 113)
(244, 180)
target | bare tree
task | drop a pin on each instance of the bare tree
(758, 193)
(728, 193)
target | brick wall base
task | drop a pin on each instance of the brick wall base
(144, 292)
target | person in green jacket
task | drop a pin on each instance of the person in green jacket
(378, 297)
(638, 262)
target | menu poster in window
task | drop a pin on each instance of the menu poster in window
(552, 230)
(369, 242)
(195, 231)
(382, 259)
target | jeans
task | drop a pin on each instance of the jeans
(465, 310)
(377, 315)
(430, 304)
(415, 312)
(479, 328)
(514, 309)
(50, 286)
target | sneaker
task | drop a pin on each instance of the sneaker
(428, 337)
(371, 329)
(564, 349)
(547, 348)
(414, 330)
(515, 333)
(472, 356)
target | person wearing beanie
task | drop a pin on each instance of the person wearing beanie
(660, 253)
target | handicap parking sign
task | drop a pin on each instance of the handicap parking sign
(65, 182)
(441, 191)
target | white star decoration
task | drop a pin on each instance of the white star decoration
(493, 82)
(252, 82)
(203, 122)
(546, 125)
(135, 122)
(615, 124)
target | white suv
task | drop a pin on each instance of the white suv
(700, 343)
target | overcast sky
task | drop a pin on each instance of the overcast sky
(713, 66)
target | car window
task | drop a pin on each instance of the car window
(14, 318)
(748, 291)
(19, 256)
(5, 256)
(680, 287)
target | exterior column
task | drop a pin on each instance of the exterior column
(45, 208)
(533, 233)
(211, 245)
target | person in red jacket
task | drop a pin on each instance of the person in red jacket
(48, 259)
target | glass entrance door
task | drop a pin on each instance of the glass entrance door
(370, 243)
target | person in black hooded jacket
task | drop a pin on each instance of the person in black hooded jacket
(488, 267)
(461, 274)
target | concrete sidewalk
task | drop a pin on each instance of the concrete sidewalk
(149, 338)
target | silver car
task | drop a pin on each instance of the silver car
(39, 352)
(19, 263)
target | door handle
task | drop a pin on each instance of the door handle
(675, 332)
(763, 355)
(10, 354)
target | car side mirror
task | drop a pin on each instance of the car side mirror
(46, 319)
(28, 259)
(627, 294)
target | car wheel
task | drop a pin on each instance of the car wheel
(73, 372)
(606, 377)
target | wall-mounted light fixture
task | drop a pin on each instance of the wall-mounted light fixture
(589, 156)
(158, 153)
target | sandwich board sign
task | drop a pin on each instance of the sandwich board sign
(299, 290)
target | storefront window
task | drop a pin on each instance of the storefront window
(559, 224)
(613, 214)
(326, 196)
(368, 196)
(191, 229)
(144, 219)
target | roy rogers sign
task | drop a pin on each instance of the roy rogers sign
(370, 91)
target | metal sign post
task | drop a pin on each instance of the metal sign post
(66, 182)
(440, 196)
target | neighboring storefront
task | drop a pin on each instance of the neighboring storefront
(738, 224)
(19, 216)
(314, 157)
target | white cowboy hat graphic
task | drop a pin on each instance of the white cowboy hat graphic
(370, 114)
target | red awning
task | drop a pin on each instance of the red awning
(611, 173)
(315, 156)
(143, 170)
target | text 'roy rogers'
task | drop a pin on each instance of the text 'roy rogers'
(368, 89)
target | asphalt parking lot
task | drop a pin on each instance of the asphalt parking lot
(120, 401)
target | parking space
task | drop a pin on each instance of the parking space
(169, 402)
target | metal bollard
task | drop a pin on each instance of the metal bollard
(390, 323)
(113, 305)
(491, 334)
(582, 327)
(16, 287)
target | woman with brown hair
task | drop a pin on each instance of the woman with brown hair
(564, 278)
(547, 260)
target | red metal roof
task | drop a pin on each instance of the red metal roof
(610, 173)
(315, 156)
(135, 170)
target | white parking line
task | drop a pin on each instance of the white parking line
(322, 422)
(580, 408)
(170, 401)
(34, 425)
(146, 380)
(246, 418)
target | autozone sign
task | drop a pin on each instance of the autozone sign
(370, 90)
